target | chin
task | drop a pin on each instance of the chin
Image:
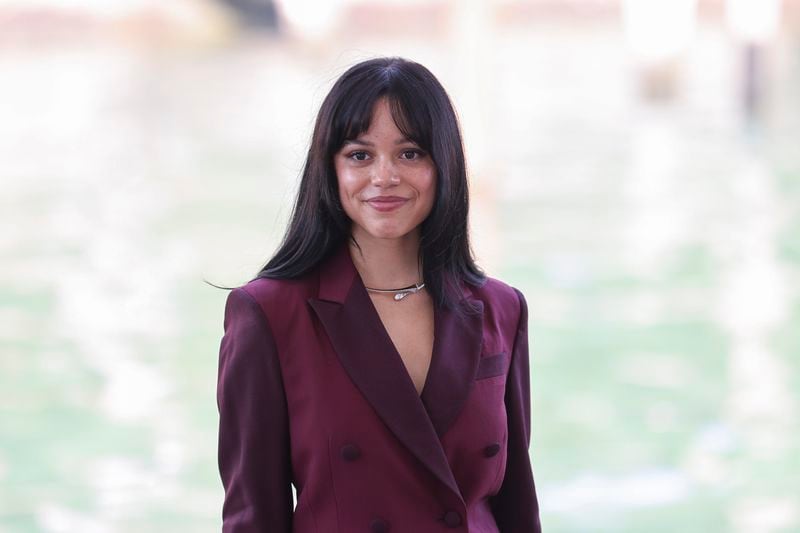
(386, 232)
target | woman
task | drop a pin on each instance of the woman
(371, 363)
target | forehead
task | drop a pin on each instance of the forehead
(382, 122)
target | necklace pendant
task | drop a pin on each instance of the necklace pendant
(399, 294)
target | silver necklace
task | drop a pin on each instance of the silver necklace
(399, 294)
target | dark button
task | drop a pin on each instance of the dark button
(491, 450)
(379, 526)
(452, 519)
(350, 452)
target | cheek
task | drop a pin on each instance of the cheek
(347, 185)
(342, 186)
(428, 188)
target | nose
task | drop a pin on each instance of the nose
(385, 173)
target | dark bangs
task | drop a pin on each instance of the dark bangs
(408, 107)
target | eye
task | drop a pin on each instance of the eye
(413, 154)
(357, 155)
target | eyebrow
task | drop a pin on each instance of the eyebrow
(404, 140)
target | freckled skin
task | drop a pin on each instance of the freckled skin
(391, 166)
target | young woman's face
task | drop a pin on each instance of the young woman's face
(386, 182)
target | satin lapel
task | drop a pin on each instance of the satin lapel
(370, 359)
(456, 352)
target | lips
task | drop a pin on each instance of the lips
(386, 203)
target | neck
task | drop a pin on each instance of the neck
(387, 263)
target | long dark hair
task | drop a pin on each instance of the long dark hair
(422, 111)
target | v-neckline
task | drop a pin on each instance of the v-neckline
(354, 328)
(388, 339)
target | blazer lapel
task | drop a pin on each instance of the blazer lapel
(367, 354)
(456, 353)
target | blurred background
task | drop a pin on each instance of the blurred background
(635, 171)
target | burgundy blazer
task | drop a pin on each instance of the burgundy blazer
(312, 392)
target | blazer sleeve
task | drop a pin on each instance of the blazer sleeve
(516, 507)
(253, 453)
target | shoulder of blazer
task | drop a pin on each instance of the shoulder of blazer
(500, 300)
(281, 297)
(266, 289)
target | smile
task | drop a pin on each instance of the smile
(386, 204)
